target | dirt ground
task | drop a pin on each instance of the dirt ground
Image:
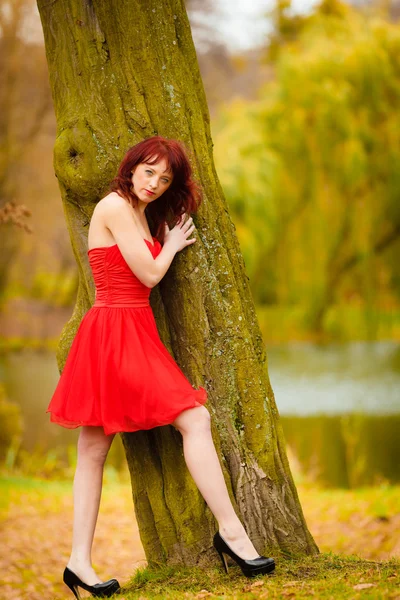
(36, 534)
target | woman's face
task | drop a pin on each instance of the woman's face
(151, 181)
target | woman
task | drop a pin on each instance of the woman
(108, 383)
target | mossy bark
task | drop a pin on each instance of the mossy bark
(121, 71)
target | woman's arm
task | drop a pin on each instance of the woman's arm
(116, 215)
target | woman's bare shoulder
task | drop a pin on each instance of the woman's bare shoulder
(110, 202)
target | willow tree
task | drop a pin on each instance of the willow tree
(121, 71)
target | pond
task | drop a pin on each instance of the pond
(339, 406)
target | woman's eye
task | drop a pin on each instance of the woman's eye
(148, 171)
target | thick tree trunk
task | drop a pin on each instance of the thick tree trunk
(120, 71)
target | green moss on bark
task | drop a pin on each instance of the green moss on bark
(120, 72)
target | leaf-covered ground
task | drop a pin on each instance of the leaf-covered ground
(36, 537)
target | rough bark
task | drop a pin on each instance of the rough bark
(121, 71)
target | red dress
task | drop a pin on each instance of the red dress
(118, 373)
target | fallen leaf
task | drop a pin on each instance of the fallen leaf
(363, 586)
(290, 583)
(257, 583)
(203, 594)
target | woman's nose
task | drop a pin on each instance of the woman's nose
(153, 183)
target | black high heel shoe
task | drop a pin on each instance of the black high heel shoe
(250, 567)
(101, 590)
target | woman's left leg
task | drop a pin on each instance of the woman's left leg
(204, 466)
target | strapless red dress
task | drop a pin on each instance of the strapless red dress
(118, 373)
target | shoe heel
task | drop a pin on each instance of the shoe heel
(223, 558)
(74, 591)
(104, 589)
(250, 567)
(68, 579)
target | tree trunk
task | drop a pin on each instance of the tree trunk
(121, 71)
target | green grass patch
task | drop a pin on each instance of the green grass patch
(325, 576)
(44, 494)
(20, 491)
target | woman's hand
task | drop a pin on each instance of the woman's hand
(177, 237)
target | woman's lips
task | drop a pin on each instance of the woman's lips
(150, 193)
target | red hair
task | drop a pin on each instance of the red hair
(182, 196)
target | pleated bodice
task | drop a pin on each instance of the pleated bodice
(116, 285)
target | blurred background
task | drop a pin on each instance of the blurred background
(304, 101)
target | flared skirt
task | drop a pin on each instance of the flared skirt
(119, 375)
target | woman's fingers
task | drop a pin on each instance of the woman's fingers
(183, 217)
(187, 226)
(189, 221)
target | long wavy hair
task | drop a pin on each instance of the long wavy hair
(183, 195)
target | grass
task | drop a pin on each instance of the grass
(25, 491)
(36, 520)
(325, 576)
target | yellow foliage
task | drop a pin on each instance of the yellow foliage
(312, 168)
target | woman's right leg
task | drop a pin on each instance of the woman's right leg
(93, 447)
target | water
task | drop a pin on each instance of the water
(339, 403)
(357, 377)
(340, 409)
(30, 378)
